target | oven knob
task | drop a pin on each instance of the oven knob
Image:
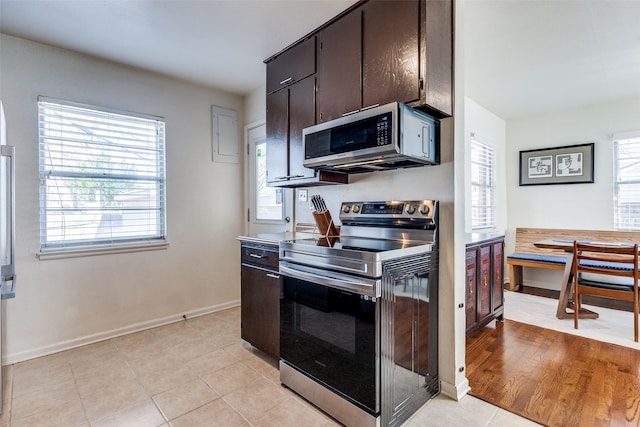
(424, 209)
(411, 209)
(356, 208)
(346, 209)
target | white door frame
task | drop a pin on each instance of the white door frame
(252, 226)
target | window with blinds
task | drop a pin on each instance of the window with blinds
(627, 181)
(102, 176)
(483, 186)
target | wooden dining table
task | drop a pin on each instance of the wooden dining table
(566, 287)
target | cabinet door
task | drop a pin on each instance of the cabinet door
(302, 114)
(498, 270)
(277, 133)
(391, 40)
(471, 285)
(437, 50)
(484, 284)
(260, 309)
(292, 65)
(339, 67)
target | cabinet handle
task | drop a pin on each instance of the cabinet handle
(361, 109)
(256, 256)
(288, 177)
(273, 276)
(285, 81)
(350, 112)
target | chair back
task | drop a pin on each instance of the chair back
(610, 259)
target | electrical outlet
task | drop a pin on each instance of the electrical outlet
(302, 196)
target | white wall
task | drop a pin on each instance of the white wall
(578, 206)
(255, 104)
(488, 129)
(65, 303)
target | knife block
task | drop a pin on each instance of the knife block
(325, 224)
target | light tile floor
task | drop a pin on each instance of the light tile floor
(196, 372)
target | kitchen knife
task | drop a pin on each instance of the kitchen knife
(323, 206)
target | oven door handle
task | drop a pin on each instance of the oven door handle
(357, 285)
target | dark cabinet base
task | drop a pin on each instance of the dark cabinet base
(260, 298)
(484, 287)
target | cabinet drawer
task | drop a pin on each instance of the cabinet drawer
(292, 65)
(262, 255)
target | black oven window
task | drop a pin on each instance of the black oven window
(329, 334)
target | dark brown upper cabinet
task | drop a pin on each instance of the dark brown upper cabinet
(437, 52)
(289, 111)
(291, 107)
(302, 114)
(384, 51)
(391, 52)
(277, 135)
(292, 65)
(340, 67)
(373, 53)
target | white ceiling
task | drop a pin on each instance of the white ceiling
(520, 56)
(524, 57)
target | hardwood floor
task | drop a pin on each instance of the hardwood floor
(553, 378)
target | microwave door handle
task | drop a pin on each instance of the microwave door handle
(8, 271)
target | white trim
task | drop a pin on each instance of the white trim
(42, 98)
(245, 148)
(455, 392)
(120, 248)
(8, 359)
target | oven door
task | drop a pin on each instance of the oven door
(329, 331)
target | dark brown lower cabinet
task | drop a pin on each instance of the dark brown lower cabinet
(484, 282)
(260, 298)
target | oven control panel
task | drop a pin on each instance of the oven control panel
(374, 213)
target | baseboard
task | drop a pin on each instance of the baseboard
(455, 392)
(11, 358)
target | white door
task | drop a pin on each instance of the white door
(270, 209)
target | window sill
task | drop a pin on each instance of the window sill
(62, 253)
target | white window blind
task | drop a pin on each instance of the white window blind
(627, 181)
(102, 176)
(483, 186)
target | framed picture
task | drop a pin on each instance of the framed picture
(571, 164)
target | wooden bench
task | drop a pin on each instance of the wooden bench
(528, 255)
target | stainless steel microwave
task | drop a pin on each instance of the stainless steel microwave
(389, 136)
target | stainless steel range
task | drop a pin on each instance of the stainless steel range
(359, 313)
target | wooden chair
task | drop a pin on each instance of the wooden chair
(618, 267)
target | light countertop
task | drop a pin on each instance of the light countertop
(274, 238)
(476, 238)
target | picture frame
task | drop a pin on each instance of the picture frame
(570, 164)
